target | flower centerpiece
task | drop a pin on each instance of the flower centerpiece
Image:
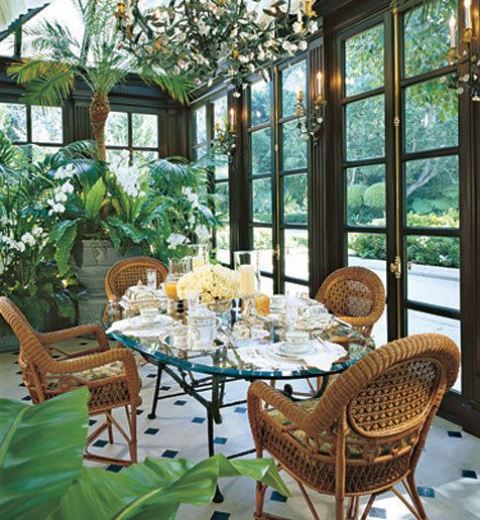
(211, 282)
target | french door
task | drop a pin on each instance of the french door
(279, 179)
(400, 171)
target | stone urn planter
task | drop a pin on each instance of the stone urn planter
(93, 260)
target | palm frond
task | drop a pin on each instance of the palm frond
(47, 83)
(176, 86)
(7, 150)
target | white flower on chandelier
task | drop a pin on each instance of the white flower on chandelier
(176, 239)
(297, 27)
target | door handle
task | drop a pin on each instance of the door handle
(396, 268)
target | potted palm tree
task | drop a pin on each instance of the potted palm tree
(59, 58)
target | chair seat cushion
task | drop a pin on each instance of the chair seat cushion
(325, 441)
(113, 369)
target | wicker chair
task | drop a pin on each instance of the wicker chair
(355, 295)
(110, 375)
(128, 272)
(366, 433)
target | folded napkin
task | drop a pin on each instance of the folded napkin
(265, 357)
(141, 328)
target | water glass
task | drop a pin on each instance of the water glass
(151, 278)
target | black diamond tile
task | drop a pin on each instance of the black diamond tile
(220, 515)
(151, 431)
(426, 492)
(91, 422)
(454, 434)
(198, 420)
(151, 376)
(220, 440)
(277, 497)
(378, 512)
(169, 454)
(240, 409)
(100, 444)
(139, 411)
(26, 398)
(115, 468)
(180, 402)
(469, 473)
(21, 384)
(165, 388)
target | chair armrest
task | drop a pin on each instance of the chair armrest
(79, 364)
(259, 392)
(75, 332)
(358, 321)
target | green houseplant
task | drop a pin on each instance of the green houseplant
(98, 59)
(28, 273)
(41, 472)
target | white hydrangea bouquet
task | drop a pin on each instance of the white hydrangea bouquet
(211, 282)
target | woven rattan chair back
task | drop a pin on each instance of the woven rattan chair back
(129, 272)
(355, 294)
(367, 432)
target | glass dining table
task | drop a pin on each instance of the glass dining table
(203, 374)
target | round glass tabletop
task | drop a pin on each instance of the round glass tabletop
(255, 358)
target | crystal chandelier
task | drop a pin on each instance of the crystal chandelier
(209, 39)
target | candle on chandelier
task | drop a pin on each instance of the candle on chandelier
(300, 95)
(452, 23)
(232, 119)
(468, 14)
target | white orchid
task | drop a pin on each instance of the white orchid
(28, 239)
(191, 196)
(176, 239)
(202, 232)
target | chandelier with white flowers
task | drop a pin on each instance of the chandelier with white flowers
(216, 38)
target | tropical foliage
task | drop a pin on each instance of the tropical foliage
(98, 59)
(28, 273)
(55, 485)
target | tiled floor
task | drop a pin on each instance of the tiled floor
(448, 474)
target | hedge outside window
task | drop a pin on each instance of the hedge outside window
(35, 126)
(132, 137)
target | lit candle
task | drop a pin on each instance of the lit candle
(453, 31)
(300, 95)
(247, 280)
(232, 119)
(319, 83)
(468, 14)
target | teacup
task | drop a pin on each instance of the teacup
(202, 328)
(148, 313)
(296, 340)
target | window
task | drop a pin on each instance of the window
(39, 127)
(279, 182)
(132, 137)
(207, 120)
(221, 185)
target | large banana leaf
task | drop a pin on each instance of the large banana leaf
(156, 488)
(94, 199)
(41, 453)
(64, 235)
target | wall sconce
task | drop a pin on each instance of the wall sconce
(470, 81)
(310, 122)
(225, 142)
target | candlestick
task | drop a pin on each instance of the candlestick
(468, 14)
(453, 31)
(247, 280)
(300, 95)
